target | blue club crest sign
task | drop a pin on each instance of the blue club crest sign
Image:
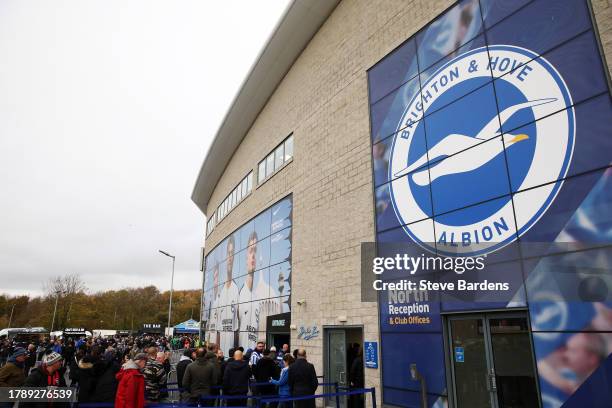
(471, 141)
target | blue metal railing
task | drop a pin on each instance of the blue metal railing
(258, 401)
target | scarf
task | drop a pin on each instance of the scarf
(53, 379)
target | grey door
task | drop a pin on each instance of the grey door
(492, 361)
(336, 370)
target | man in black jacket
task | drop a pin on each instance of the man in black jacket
(89, 368)
(68, 352)
(106, 385)
(73, 367)
(356, 377)
(224, 362)
(186, 359)
(211, 356)
(265, 369)
(236, 380)
(303, 380)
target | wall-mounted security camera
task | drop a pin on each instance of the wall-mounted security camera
(301, 302)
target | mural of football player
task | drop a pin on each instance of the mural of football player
(213, 315)
(248, 327)
(227, 325)
(255, 304)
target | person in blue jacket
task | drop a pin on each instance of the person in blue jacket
(283, 382)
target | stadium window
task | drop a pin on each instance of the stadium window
(261, 171)
(250, 182)
(210, 226)
(289, 148)
(270, 164)
(275, 160)
(238, 194)
(243, 188)
(279, 156)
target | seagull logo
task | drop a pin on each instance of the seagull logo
(480, 151)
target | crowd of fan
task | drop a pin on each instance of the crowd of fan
(204, 374)
(131, 372)
(95, 365)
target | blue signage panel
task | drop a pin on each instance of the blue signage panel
(491, 126)
(459, 355)
(371, 354)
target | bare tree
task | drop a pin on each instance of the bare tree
(66, 289)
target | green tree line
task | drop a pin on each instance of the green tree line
(124, 309)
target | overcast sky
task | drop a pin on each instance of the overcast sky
(107, 109)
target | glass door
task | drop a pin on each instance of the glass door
(492, 361)
(470, 362)
(336, 363)
(512, 358)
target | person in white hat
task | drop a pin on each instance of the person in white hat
(50, 373)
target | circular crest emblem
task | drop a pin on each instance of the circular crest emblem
(465, 144)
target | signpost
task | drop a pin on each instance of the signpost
(152, 328)
(371, 354)
(459, 355)
(75, 332)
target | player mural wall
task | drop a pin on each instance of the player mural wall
(248, 277)
(490, 126)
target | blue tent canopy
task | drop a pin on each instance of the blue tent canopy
(189, 326)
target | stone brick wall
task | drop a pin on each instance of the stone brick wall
(323, 101)
(603, 18)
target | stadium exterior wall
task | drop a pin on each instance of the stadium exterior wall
(323, 102)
